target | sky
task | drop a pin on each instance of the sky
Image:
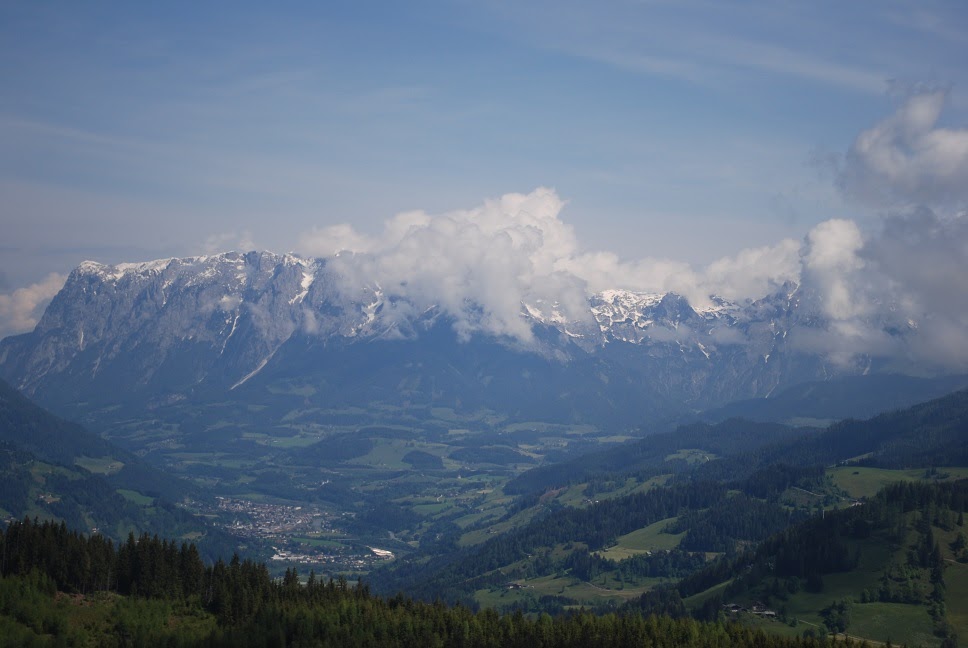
(689, 145)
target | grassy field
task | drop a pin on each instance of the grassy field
(956, 581)
(575, 495)
(557, 429)
(136, 497)
(696, 601)
(317, 542)
(900, 623)
(283, 442)
(481, 535)
(100, 466)
(386, 454)
(776, 626)
(650, 538)
(692, 456)
(860, 481)
(879, 622)
(433, 508)
(897, 622)
(584, 593)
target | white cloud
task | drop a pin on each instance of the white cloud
(21, 309)
(754, 272)
(894, 294)
(830, 257)
(480, 265)
(476, 265)
(665, 39)
(908, 159)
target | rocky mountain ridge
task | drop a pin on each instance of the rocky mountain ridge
(176, 328)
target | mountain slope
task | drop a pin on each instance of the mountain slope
(53, 469)
(733, 437)
(934, 433)
(30, 428)
(855, 397)
(929, 433)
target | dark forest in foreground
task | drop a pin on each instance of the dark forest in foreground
(62, 588)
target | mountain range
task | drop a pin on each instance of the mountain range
(255, 326)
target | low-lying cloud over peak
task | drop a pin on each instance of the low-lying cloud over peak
(480, 265)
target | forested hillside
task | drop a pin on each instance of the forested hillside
(674, 504)
(59, 587)
(902, 553)
(54, 469)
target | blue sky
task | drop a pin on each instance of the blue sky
(673, 130)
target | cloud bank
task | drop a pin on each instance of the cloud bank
(480, 265)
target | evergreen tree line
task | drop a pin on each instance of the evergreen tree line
(252, 609)
(737, 519)
(713, 515)
(78, 563)
(663, 564)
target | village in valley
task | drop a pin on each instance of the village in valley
(298, 535)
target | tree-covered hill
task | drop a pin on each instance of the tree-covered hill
(901, 554)
(58, 587)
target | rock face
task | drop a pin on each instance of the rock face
(257, 324)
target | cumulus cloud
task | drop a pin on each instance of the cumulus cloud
(830, 259)
(927, 255)
(754, 272)
(909, 159)
(480, 265)
(21, 309)
(921, 259)
(476, 265)
(894, 294)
